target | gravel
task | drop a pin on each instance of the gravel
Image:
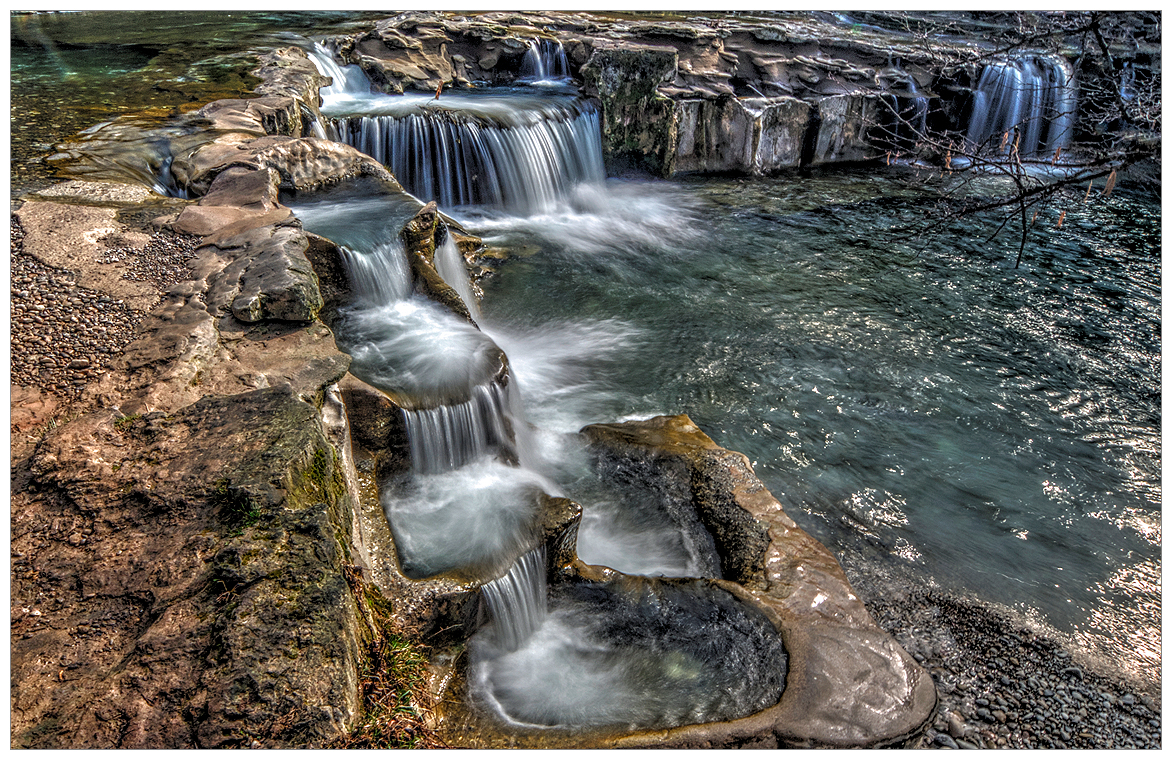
(65, 335)
(1002, 685)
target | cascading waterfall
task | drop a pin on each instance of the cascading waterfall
(524, 161)
(450, 265)
(545, 60)
(472, 501)
(517, 601)
(379, 277)
(450, 436)
(1032, 94)
(348, 80)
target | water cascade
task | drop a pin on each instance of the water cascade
(517, 601)
(631, 656)
(545, 60)
(447, 437)
(450, 264)
(349, 81)
(1032, 94)
(524, 155)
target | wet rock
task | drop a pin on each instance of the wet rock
(638, 123)
(833, 645)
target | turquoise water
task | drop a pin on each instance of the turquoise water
(988, 429)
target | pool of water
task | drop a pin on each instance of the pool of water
(73, 70)
(989, 429)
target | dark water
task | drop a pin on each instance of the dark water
(991, 429)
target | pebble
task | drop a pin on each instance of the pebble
(64, 335)
(1052, 704)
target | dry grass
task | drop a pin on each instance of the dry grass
(392, 683)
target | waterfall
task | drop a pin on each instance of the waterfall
(517, 601)
(1032, 93)
(545, 60)
(349, 81)
(450, 436)
(521, 160)
(450, 265)
(381, 276)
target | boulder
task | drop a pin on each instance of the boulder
(301, 163)
(849, 684)
(638, 124)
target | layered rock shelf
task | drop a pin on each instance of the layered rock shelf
(738, 95)
(199, 549)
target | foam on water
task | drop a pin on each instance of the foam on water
(655, 658)
(469, 519)
(417, 348)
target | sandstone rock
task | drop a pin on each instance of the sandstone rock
(420, 236)
(849, 683)
(269, 277)
(103, 193)
(215, 575)
(31, 408)
(300, 162)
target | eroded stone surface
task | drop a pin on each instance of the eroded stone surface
(670, 88)
(179, 581)
(849, 683)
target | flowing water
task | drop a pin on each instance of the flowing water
(992, 430)
(1032, 95)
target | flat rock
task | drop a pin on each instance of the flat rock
(101, 193)
(67, 236)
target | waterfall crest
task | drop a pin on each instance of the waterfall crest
(517, 601)
(1033, 94)
(524, 161)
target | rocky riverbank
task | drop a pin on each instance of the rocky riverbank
(1002, 684)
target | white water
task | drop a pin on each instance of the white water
(517, 601)
(379, 277)
(349, 81)
(639, 659)
(459, 158)
(1031, 93)
(450, 436)
(471, 519)
(545, 61)
(450, 265)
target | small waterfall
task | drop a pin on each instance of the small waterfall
(382, 276)
(1032, 93)
(524, 160)
(349, 81)
(545, 60)
(450, 436)
(517, 601)
(450, 265)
